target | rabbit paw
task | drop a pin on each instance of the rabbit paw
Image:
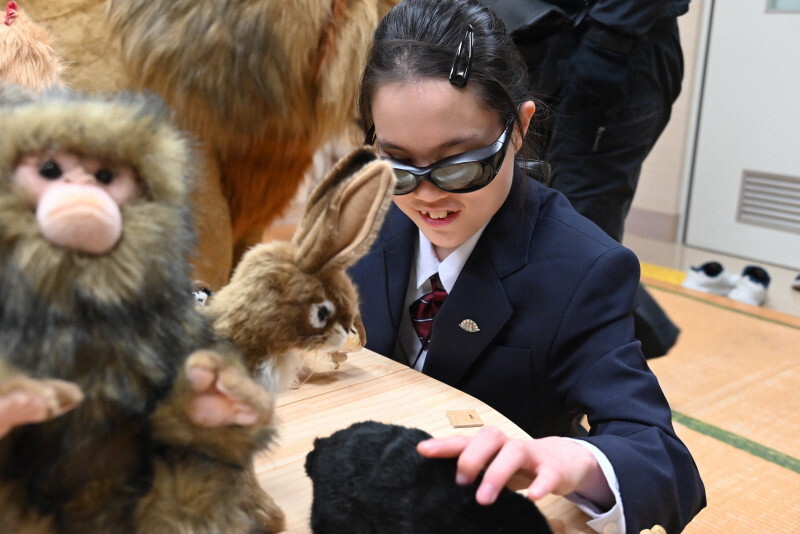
(224, 394)
(321, 361)
(25, 400)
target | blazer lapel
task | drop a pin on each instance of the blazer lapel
(398, 255)
(389, 261)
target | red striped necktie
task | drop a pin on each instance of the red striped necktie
(424, 309)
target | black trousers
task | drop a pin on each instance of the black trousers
(596, 147)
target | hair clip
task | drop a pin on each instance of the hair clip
(458, 73)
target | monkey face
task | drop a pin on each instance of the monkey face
(94, 198)
(77, 198)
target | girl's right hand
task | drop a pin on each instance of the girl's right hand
(547, 465)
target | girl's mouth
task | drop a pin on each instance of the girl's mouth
(438, 216)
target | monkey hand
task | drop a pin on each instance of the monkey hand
(216, 409)
(224, 394)
(25, 400)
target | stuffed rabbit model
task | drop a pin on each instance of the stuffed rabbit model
(290, 306)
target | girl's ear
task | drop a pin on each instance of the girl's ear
(344, 212)
(526, 111)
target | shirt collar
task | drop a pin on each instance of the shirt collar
(428, 264)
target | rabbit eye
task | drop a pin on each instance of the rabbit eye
(320, 313)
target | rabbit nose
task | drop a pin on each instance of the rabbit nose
(353, 342)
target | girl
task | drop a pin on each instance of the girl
(537, 318)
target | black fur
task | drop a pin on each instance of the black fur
(369, 479)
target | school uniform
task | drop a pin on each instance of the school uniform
(552, 298)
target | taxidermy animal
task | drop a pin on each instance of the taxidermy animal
(262, 83)
(119, 410)
(290, 306)
(27, 57)
(370, 479)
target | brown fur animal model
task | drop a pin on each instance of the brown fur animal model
(263, 83)
(119, 409)
(290, 306)
(27, 57)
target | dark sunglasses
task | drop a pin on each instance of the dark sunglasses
(460, 173)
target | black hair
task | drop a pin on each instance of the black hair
(418, 39)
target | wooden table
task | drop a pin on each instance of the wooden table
(371, 387)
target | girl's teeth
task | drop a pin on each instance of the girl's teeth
(437, 214)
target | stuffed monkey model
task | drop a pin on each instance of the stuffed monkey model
(119, 412)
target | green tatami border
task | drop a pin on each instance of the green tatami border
(739, 442)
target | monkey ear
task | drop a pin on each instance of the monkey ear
(344, 212)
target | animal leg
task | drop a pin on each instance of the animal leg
(224, 394)
(197, 495)
(18, 518)
(211, 425)
(213, 260)
(217, 408)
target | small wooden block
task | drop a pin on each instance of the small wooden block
(464, 418)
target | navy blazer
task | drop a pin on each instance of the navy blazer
(553, 296)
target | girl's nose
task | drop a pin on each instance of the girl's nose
(427, 192)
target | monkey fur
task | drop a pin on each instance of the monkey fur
(138, 419)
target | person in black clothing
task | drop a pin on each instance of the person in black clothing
(610, 75)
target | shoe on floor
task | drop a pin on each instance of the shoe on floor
(711, 277)
(752, 286)
(796, 283)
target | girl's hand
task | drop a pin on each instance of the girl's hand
(546, 465)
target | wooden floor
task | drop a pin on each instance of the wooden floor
(733, 382)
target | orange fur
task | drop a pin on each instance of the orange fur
(27, 57)
(276, 81)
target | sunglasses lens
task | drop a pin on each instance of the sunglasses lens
(405, 182)
(461, 175)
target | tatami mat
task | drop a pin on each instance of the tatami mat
(733, 382)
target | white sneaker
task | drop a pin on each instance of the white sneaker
(752, 286)
(711, 277)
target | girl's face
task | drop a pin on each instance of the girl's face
(424, 121)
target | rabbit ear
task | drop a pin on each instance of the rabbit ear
(344, 212)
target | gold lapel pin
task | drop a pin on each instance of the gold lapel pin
(469, 325)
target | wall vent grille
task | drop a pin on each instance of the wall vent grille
(770, 200)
